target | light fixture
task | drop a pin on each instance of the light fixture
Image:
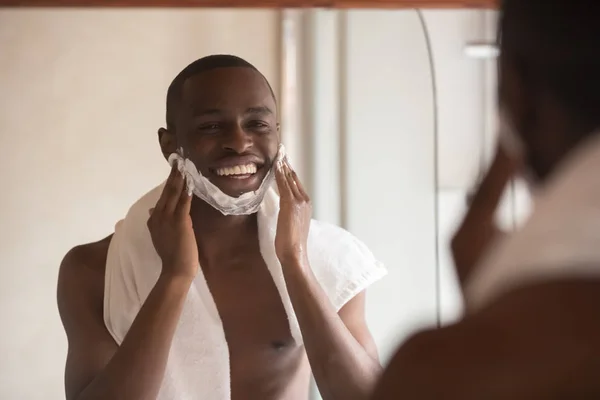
(482, 50)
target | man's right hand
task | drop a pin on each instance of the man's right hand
(478, 228)
(171, 229)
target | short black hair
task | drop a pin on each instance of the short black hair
(202, 65)
(556, 45)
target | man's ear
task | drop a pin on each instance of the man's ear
(167, 141)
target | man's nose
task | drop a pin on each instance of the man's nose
(237, 140)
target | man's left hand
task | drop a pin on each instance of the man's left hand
(295, 212)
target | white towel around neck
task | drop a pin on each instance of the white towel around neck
(198, 364)
(561, 238)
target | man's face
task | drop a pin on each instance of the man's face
(227, 125)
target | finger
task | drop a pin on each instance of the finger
(301, 191)
(185, 203)
(289, 176)
(162, 201)
(282, 183)
(177, 185)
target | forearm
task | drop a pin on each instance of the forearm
(478, 228)
(136, 370)
(342, 367)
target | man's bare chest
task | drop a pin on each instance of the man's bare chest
(263, 354)
(250, 306)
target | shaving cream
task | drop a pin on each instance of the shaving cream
(246, 204)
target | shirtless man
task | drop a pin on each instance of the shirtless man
(538, 337)
(218, 107)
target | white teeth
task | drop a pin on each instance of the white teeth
(237, 170)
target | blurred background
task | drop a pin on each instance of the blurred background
(388, 115)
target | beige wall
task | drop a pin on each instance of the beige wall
(82, 98)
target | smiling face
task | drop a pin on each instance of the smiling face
(226, 124)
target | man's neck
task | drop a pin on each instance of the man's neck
(216, 233)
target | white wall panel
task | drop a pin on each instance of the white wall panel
(461, 99)
(389, 171)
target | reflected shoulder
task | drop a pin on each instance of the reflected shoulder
(81, 279)
(533, 341)
(89, 256)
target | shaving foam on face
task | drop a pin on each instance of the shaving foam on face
(246, 204)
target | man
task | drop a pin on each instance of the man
(531, 328)
(222, 115)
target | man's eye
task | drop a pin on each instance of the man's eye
(208, 127)
(258, 124)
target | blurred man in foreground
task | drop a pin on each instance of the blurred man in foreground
(531, 328)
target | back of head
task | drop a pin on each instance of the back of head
(555, 46)
(549, 90)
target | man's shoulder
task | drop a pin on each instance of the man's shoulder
(81, 276)
(89, 256)
(544, 330)
(546, 312)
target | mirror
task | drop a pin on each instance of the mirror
(387, 128)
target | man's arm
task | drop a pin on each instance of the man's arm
(478, 228)
(538, 342)
(340, 348)
(96, 367)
